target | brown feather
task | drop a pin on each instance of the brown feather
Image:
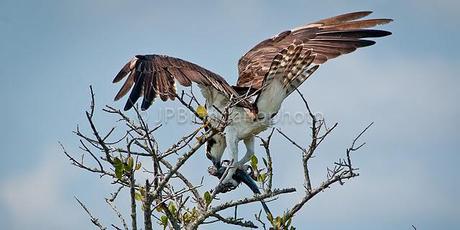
(172, 87)
(128, 67)
(126, 86)
(157, 75)
(355, 34)
(343, 18)
(135, 92)
(149, 91)
(320, 59)
(358, 24)
(180, 77)
(123, 72)
(342, 48)
(163, 85)
(327, 38)
(348, 42)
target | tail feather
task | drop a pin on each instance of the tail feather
(241, 176)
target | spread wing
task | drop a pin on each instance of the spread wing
(152, 76)
(327, 39)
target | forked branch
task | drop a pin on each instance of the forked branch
(168, 197)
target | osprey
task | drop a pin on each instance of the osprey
(269, 73)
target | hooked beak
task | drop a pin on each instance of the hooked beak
(214, 161)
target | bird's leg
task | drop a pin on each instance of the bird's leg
(249, 143)
(232, 143)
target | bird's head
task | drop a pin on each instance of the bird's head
(215, 148)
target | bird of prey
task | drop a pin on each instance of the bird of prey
(268, 74)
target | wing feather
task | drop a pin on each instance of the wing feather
(126, 86)
(149, 92)
(150, 76)
(180, 77)
(327, 39)
(125, 70)
(135, 92)
(343, 18)
(353, 34)
(368, 23)
(163, 85)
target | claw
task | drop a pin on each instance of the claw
(244, 167)
(227, 186)
(251, 172)
(238, 177)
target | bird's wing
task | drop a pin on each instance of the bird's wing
(152, 76)
(327, 39)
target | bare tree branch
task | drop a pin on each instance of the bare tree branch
(166, 193)
(114, 208)
(237, 222)
(132, 193)
(94, 220)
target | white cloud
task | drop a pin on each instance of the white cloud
(35, 198)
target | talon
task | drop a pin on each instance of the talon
(230, 182)
(251, 173)
(225, 163)
(212, 170)
(227, 185)
(244, 167)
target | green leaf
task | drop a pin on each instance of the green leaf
(262, 177)
(278, 222)
(142, 191)
(254, 162)
(116, 161)
(118, 164)
(159, 208)
(265, 162)
(130, 163)
(138, 166)
(172, 207)
(119, 172)
(270, 217)
(138, 196)
(194, 211)
(164, 221)
(187, 217)
(207, 198)
(288, 222)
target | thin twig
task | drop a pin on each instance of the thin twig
(94, 220)
(114, 208)
(233, 221)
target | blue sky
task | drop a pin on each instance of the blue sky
(51, 51)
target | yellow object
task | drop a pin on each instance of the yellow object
(201, 111)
